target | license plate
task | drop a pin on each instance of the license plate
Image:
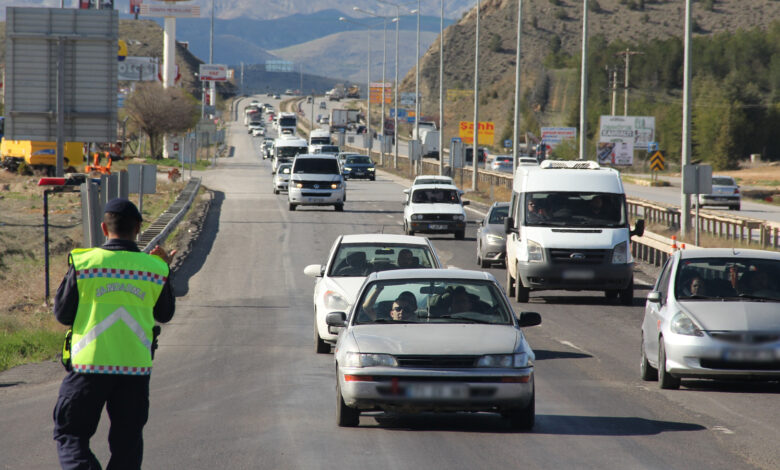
(313, 199)
(578, 274)
(437, 227)
(437, 391)
(750, 355)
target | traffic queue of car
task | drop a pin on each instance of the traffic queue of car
(410, 336)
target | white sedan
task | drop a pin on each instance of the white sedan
(351, 259)
(439, 340)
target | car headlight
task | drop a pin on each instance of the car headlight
(417, 217)
(460, 218)
(683, 325)
(348, 168)
(494, 238)
(298, 185)
(335, 186)
(620, 253)
(335, 302)
(355, 359)
(371, 168)
(535, 252)
(504, 361)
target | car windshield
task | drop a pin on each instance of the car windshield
(433, 301)
(722, 181)
(285, 169)
(320, 140)
(328, 149)
(320, 166)
(728, 279)
(435, 196)
(498, 214)
(360, 160)
(289, 152)
(287, 121)
(362, 259)
(598, 210)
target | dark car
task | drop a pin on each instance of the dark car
(359, 166)
(470, 156)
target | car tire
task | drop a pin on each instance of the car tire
(407, 230)
(611, 294)
(460, 235)
(276, 191)
(510, 284)
(346, 417)
(647, 372)
(292, 206)
(321, 346)
(665, 380)
(523, 419)
(339, 207)
(737, 207)
(627, 295)
(373, 178)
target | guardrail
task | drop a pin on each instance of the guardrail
(167, 221)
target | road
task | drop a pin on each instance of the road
(237, 383)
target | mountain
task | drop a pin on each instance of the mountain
(343, 55)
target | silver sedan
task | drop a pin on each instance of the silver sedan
(491, 240)
(713, 313)
(433, 340)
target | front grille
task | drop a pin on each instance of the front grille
(305, 194)
(315, 184)
(746, 338)
(438, 217)
(437, 362)
(578, 257)
(740, 365)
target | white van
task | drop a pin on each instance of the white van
(568, 229)
(286, 147)
(319, 137)
(316, 180)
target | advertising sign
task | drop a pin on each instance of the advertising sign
(375, 93)
(277, 65)
(406, 99)
(454, 94)
(552, 136)
(401, 113)
(135, 6)
(616, 153)
(213, 73)
(137, 69)
(485, 132)
(624, 133)
(170, 10)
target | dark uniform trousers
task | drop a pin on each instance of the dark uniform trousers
(77, 413)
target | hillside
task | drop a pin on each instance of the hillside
(343, 55)
(546, 25)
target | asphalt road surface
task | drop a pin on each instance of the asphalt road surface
(237, 383)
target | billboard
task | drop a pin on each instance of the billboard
(213, 73)
(485, 132)
(375, 93)
(454, 94)
(406, 99)
(277, 65)
(552, 136)
(619, 135)
(137, 69)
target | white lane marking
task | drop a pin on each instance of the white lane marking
(389, 216)
(478, 212)
(722, 429)
(573, 346)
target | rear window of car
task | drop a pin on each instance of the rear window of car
(432, 196)
(328, 149)
(323, 166)
(364, 259)
(723, 181)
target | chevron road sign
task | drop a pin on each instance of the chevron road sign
(657, 161)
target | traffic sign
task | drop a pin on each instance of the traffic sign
(657, 161)
(508, 143)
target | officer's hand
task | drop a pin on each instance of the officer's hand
(159, 251)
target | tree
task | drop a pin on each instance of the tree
(158, 111)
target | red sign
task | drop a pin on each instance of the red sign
(135, 6)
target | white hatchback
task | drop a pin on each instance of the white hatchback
(351, 259)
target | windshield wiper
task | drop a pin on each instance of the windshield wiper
(759, 298)
(471, 320)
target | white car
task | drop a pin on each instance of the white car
(258, 131)
(434, 208)
(350, 260)
(282, 177)
(725, 192)
(440, 340)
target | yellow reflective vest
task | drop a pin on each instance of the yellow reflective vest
(112, 331)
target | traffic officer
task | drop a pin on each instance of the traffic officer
(111, 297)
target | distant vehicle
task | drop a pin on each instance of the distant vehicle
(337, 93)
(268, 148)
(526, 160)
(424, 126)
(359, 166)
(503, 163)
(286, 148)
(470, 156)
(277, 97)
(316, 181)
(258, 131)
(38, 155)
(308, 99)
(433, 340)
(429, 140)
(339, 118)
(287, 121)
(323, 105)
(288, 92)
(491, 239)
(353, 92)
(434, 208)
(712, 314)
(319, 137)
(342, 156)
(318, 149)
(282, 177)
(725, 192)
(352, 258)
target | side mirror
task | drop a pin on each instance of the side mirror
(509, 225)
(336, 319)
(466, 203)
(529, 319)
(639, 228)
(313, 270)
(406, 191)
(654, 297)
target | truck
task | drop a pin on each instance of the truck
(339, 118)
(429, 140)
(37, 155)
(353, 92)
(287, 123)
(336, 93)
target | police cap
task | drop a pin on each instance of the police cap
(123, 208)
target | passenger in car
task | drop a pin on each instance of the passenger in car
(403, 308)
(406, 260)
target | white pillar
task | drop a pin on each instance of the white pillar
(169, 70)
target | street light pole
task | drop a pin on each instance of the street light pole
(417, 81)
(475, 144)
(685, 200)
(441, 89)
(397, 20)
(516, 133)
(584, 81)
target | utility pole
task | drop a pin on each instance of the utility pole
(614, 90)
(441, 89)
(685, 200)
(516, 133)
(627, 54)
(584, 82)
(475, 134)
